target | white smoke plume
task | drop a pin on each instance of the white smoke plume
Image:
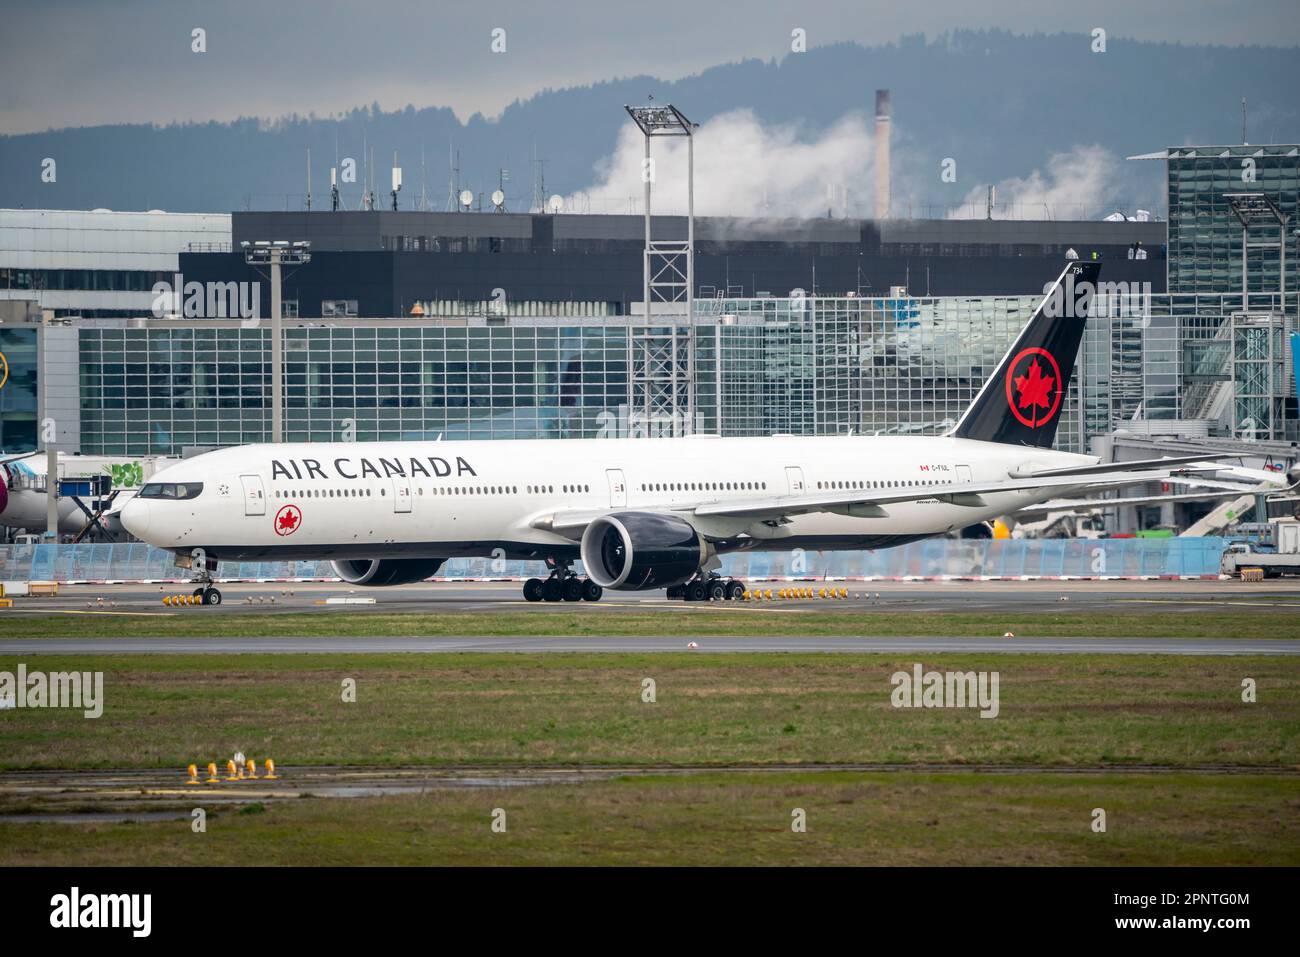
(742, 168)
(746, 168)
(1085, 183)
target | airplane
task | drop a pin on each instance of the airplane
(24, 478)
(640, 513)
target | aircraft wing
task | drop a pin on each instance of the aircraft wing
(1137, 465)
(869, 502)
(571, 522)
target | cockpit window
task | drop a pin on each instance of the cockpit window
(172, 490)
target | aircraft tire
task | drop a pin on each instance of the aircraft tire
(552, 590)
(591, 591)
(572, 588)
(533, 589)
(211, 596)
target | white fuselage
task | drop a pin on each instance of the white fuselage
(450, 499)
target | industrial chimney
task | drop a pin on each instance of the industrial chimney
(882, 154)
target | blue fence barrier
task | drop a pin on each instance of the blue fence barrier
(933, 558)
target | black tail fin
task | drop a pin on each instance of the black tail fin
(1021, 402)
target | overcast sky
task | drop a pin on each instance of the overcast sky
(87, 62)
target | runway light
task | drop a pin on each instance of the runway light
(230, 771)
(194, 774)
(692, 646)
(251, 769)
(1009, 634)
(212, 773)
(270, 770)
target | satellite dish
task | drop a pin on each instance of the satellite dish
(498, 197)
(555, 203)
(466, 198)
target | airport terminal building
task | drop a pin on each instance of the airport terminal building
(393, 329)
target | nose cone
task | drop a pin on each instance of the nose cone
(135, 518)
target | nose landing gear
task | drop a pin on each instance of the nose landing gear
(208, 595)
(562, 585)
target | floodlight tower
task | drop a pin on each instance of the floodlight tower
(668, 266)
(275, 255)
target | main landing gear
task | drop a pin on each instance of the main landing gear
(562, 585)
(712, 588)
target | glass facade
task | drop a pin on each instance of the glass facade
(831, 366)
(1166, 357)
(762, 366)
(1205, 236)
(18, 397)
(818, 366)
(163, 389)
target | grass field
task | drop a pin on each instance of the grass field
(703, 621)
(557, 709)
(852, 818)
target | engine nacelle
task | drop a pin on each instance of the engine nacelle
(387, 571)
(631, 551)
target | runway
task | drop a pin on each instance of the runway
(649, 645)
(1116, 597)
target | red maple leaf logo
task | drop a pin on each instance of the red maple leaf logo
(1035, 390)
(287, 520)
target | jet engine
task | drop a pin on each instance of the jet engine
(632, 551)
(387, 571)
